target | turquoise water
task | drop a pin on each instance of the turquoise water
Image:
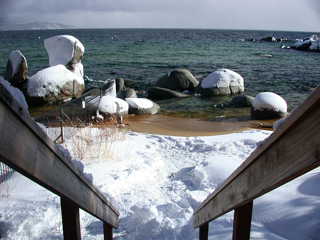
(141, 56)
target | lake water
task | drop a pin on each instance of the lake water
(141, 56)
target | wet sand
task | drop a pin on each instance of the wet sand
(173, 126)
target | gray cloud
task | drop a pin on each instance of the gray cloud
(243, 14)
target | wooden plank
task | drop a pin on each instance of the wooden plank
(28, 150)
(204, 232)
(70, 220)
(242, 222)
(289, 152)
(108, 231)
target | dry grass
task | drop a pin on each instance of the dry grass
(95, 140)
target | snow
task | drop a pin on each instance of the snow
(269, 100)
(113, 105)
(61, 49)
(16, 58)
(139, 103)
(156, 182)
(15, 93)
(222, 78)
(51, 79)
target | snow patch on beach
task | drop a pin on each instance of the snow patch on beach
(156, 182)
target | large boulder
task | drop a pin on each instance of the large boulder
(66, 50)
(17, 69)
(161, 93)
(178, 79)
(52, 85)
(221, 82)
(141, 106)
(268, 105)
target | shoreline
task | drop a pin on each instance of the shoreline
(191, 127)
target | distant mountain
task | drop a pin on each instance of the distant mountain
(33, 26)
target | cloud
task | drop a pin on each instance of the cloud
(235, 14)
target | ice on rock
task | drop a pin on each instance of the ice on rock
(63, 49)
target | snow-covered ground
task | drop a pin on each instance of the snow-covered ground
(156, 182)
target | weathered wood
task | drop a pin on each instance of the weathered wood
(108, 231)
(28, 150)
(70, 220)
(204, 232)
(242, 222)
(289, 152)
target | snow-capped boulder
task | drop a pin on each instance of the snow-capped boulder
(113, 105)
(242, 101)
(268, 105)
(66, 50)
(178, 79)
(221, 82)
(311, 43)
(127, 93)
(161, 93)
(53, 84)
(140, 106)
(17, 69)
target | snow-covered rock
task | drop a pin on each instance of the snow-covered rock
(53, 84)
(113, 105)
(268, 105)
(17, 69)
(178, 79)
(140, 106)
(221, 82)
(15, 93)
(64, 49)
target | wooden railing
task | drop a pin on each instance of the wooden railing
(28, 150)
(292, 150)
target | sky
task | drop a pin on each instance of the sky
(288, 15)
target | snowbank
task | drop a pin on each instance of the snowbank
(157, 182)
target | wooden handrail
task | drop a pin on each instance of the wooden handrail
(28, 150)
(292, 150)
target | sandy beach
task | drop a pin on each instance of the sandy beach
(188, 127)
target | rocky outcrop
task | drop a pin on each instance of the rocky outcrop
(221, 82)
(17, 69)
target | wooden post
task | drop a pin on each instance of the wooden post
(242, 222)
(204, 232)
(108, 231)
(70, 220)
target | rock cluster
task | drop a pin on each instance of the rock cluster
(61, 81)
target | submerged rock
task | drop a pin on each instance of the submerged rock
(221, 82)
(178, 79)
(17, 69)
(242, 101)
(161, 93)
(268, 105)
